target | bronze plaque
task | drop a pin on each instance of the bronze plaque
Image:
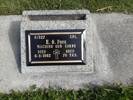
(52, 47)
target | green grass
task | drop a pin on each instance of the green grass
(106, 92)
(17, 6)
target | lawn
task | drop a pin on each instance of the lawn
(17, 6)
(106, 92)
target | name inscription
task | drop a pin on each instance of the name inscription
(54, 47)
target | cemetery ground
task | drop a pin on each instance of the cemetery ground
(105, 92)
(17, 6)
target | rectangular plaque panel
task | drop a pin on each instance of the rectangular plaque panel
(46, 47)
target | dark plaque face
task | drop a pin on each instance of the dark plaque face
(48, 47)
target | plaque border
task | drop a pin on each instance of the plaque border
(56, 32)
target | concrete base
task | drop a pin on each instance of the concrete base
(58, 24)
(113, 49)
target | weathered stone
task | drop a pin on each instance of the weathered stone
(113, 60)
(58, 20)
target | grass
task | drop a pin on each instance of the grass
(106, 92)
(17, 6)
